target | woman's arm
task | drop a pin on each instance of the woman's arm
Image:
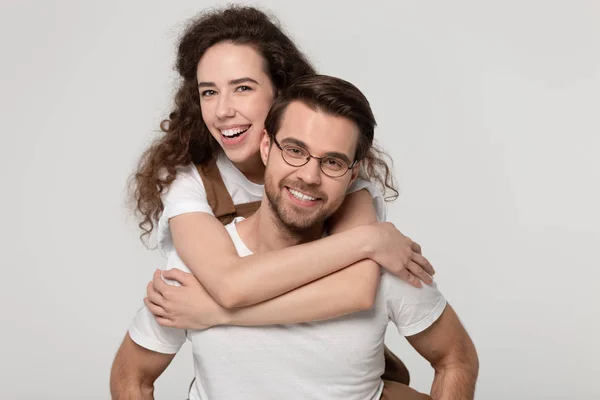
(349, 290)
(204, 245)
(346, 291)
(189, 306)
(235, 281)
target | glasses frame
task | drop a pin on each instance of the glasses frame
(320, 159)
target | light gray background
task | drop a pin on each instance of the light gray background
(489, 109)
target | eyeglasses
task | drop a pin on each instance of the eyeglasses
(296, 156)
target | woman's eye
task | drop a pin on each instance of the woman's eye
(243, 89)
(207, 93)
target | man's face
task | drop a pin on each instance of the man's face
(304, 197)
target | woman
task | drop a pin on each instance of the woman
(233, 63)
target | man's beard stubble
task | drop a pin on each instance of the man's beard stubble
(289, 220)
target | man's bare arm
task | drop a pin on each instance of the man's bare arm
(134, 371)
(448, 347)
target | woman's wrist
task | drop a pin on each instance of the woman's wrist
(224, 317)
(367, 241)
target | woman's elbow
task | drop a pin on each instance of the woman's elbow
(229, 295)
(367, 299)
(226, 298)
(366, 293)
(369, 285)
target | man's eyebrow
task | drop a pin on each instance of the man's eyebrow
(231, 82)
(300, 143)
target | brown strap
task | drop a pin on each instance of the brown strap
(247, 209)
(219, 198)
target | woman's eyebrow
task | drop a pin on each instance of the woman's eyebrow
(231, 82)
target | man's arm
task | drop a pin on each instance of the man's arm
(134, 371)
(448, 347)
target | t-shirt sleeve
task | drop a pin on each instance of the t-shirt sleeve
(411, 309)
(185, 195)
(378, 200)
(145, 331)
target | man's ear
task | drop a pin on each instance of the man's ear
(355, 171)
(265, 146)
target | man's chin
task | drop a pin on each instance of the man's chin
(299, 223)
(294, 218)
(299, 226)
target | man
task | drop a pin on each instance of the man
(317, 131)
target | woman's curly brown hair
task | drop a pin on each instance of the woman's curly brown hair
(185, 138)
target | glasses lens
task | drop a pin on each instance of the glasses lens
(334, 166)
(295, 155)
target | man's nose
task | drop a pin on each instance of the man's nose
(310, 172)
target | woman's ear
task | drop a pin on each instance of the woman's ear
(265, 146)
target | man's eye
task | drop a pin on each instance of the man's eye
(333, 163)
(294, 151)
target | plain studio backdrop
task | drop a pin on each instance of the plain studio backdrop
(490, 111)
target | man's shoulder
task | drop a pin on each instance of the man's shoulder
(394, 287)
(411, 309)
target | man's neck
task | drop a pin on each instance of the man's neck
(263, 231)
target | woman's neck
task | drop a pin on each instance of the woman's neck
(253, 170)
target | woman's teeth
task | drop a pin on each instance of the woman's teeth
(301, 196)
(235, 132)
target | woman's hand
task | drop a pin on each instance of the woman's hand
(188, 306)
(399, 255)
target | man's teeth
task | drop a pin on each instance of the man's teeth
(301, 196)
(234, 132)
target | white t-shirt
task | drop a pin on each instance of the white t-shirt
(187, 194)
(340, 358)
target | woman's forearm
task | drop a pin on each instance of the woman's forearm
(235, 281)
(357, 210)
(268, 275)
(347, 291)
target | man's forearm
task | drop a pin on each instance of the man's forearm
(131, 391)
(454, 383)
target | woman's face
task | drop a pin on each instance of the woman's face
(236, 94)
